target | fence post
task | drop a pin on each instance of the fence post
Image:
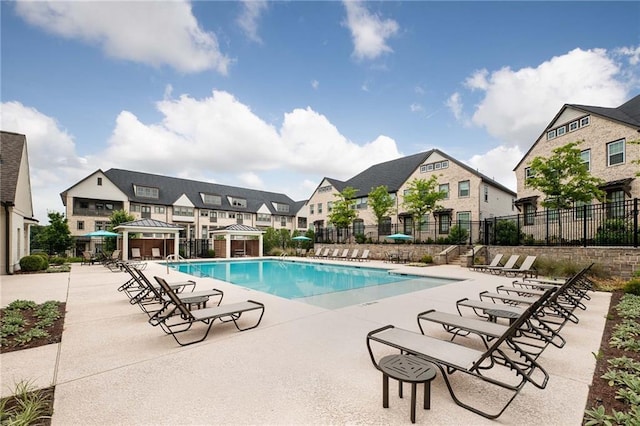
(635, 222)
(584, 225)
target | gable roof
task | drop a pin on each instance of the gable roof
(393, 174)
(10, 159)
(171, 189)
(628, 113)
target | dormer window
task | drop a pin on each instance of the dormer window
(282, 208)
(146, 192)
(238, 202)
(211, 199)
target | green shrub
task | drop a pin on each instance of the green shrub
(58, 260)
(211, 253)
(632, 287)
(426, 259)
(458, 235)
(507, 233)
(360, 238)
(33, 263)
(614, 232)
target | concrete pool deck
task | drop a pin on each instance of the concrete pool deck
(302, 365)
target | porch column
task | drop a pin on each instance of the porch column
(176, 245)
(260, 245)
(228, 245)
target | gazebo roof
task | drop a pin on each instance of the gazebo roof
(148, 225)
(237, 229)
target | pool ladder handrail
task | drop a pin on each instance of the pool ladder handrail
(179, 259)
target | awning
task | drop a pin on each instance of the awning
(620, 184)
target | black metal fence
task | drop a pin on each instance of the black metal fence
(607, 224)
(192, 248)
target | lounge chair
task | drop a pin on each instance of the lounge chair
(155, 253)
(495, 262)
(354, 254)
(132, 287)
(187, 317)
(504, 364)
(135, 254)
(334, 255)
(87, 258)
(511, 262)
(115, 257)
(344, 255)
(365, 256)
(322, 253)
(526, 268)
(153, 294)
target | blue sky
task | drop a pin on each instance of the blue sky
(277, 95)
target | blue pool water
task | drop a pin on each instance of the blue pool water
(325, 285)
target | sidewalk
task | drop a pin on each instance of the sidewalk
(302, 365)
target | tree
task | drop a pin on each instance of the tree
(56, 237)
(564, 179)
(636, 142)
(421, 198)
(381, 202)
(343, 214)
(117, 217)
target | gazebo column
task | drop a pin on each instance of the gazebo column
(176, 245)
(228, 245)
(260, 245)
(125, 244)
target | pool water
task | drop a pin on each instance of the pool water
(325, 285)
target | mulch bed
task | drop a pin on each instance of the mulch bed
(600, 392)
(55, 331)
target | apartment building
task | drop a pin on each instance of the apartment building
(16, 212)
(198, 207)
(605, 136)
(470, 196)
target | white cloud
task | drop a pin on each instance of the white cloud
(53, 161)
(454, 103)
(248, 19)
(416, 107)
(368, 31)
(315, 84)
(633, 53)
(154, 33)
(498, 164)
(216, 139)
(517, 105)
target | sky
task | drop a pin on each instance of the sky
(276, 95)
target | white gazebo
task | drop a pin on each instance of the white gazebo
(148, 226)
(238, 232)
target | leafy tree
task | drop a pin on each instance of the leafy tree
(381, 202)
(117, 217)
(35, 236)
(564, 179)
(422, 198)
(56, 237)
(636, 142)
(343, 214)
(270, 240)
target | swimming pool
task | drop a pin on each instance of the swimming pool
(326, 285)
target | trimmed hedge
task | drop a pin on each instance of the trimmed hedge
(33, 263)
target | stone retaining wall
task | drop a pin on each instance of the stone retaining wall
(617, 261)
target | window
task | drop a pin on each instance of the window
(262, 217)
(146, 191)
(573, 126)
(221, 215)
(99, 181)
(486, 194)
(325, 188)
(182, 211)
(615, 153)
(561, 131)
(238, 202)
(101, 225)
(283, 208)
(582, 210)
(615, 204)
(204, 213)
(358, 227)
(529, 214)
(145, 211)
(384, 228)
(311, 208)
(424, 223)
(329, 206)
(584, 121)
(215, 200)
(84, 204)
(445, 164)
(135, 207)
(552, 215)
(429, 167)
(444, 188)
(423, 169)
(551, 134)
(434, 166)
(158, 209)
(464, 220)
(585, 156)
(319, 208)
(361, 203)
(80, 225)
(204, 232)
(528, 174)
(283, 221)
(213, 216)
(463, 189)
(444, 223)
(437, 166)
